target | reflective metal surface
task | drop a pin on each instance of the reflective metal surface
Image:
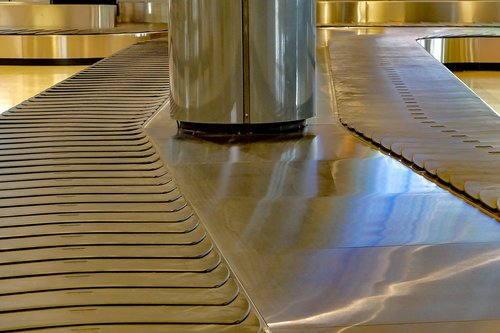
(141, 11)
(281, 60)
(43, 16)
(341, 12)
(206, 61)
(248, 61)
(35, 45)
(328, 234)
(459, 50)
(459, 12)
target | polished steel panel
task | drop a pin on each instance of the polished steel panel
(282, 53)
(92, 46)
(43, 16)
(141, 11)
(459, 12)
(458, 50)
(437, 12)
(340, 12)
(206, 69)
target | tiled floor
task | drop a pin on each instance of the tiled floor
(485, 84)
(18, 83)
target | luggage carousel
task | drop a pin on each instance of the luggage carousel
(95, 234)
(74, 34)
(381, 216)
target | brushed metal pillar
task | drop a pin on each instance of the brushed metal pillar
(282, 60)
(206, 68)
(242, 62)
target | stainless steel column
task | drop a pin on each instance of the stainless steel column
(282, 52)
(242, 61)
(206, 60)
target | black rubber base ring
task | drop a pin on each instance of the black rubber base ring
(241, 129)
(473, 66)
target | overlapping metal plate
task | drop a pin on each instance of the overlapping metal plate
(94, 234)
(392, 92)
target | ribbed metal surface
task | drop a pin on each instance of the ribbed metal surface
(94, 234)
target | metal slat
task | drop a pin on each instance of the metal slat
(54, 154)
(131, 183)
(105, 238)
(89, 190)
(75, 146)
(75, 165)
(236, 312)
(99, 217)
(92, 207)
(69, 127)
(34, 140)
(99, 228)
(249, 325)
(63, 174)
(71, 115)
(190, 251)
(131, 134)
(96, 280)
(31, 158)
(105, 198)
(67, 113)
(204, 264)
(107, 297)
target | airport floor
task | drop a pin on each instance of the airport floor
(18, 83)
(485, 84)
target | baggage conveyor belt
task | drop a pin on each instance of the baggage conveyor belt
(393, 93)
(44, 46)
(94, 234)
